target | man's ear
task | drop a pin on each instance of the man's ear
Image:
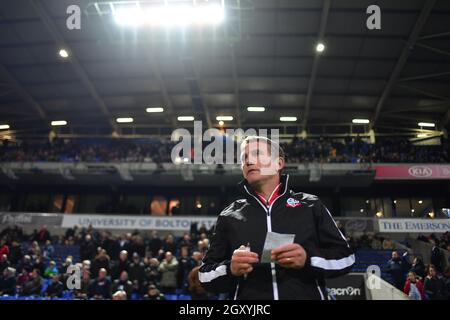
(281, 164)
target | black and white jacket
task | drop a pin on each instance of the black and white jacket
(247, 220)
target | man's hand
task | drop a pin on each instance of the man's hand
(242, 260)
(290, 256)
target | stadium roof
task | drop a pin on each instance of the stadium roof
(263, 55)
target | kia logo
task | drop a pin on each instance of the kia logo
(420, 171)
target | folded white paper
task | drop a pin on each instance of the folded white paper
(274, 240)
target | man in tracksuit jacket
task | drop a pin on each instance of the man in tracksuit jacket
(297, 271)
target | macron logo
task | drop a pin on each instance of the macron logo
(292, 203)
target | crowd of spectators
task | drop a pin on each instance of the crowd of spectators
(323, 150)
(130, 266)
(150, 266)
(64, 150)
(408, 272)
(418, 280)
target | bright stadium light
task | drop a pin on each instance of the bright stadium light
(320, 47)
(131, 17)
(256, 109)
(221, 123)
(4, 126)
(59, 123)
(154, 110)
(422, 135)
(288, 119)
(170, 15)
(360, 121)
(224, 118)
(63, 53)
(426, 124)
(185, 118)
(124, 120)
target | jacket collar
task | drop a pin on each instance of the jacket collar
(247, 191)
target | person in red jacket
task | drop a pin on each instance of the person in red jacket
(4, 249)
(414, 287)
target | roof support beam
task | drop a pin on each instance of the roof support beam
(425, 76)
(414, 35)
(196, 90)
(435, 35)
(315, 66)
(436, 50)
(435, 107)
(424, 92)
(78, 68)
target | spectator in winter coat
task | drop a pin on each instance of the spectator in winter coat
(100, 288)
(88, 249)
(414, 287)
(123, 284)
(397, 267)
(122, 265)
(433, 285)
(436, 256)
(8, 282)
(418, 267)
(137, 271)
(102, 260)
(33, 286)
(55, 288)
(4, 263)
(51, 270)
(168, 269)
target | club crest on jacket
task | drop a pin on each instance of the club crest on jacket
(292, 203)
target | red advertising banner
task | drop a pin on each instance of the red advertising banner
(412, 172)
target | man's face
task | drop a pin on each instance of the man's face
(433, 272)
(257, 163)
(168, 256)
(395, 255)
(123, 276)
(123, 256)
(102, 274)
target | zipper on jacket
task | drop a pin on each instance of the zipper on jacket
(269, 229)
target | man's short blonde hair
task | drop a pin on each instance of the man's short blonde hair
(274, 146)
(120, 295)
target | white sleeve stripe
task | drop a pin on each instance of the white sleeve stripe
(213, 274)
(323, 263)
